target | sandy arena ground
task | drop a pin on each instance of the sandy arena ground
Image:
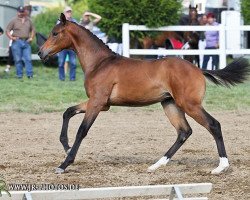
(120, 146)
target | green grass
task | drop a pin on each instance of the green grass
(45, 93)
(222, 98)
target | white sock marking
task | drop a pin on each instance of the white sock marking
(223, 166)
(162, 162)
(59, 171)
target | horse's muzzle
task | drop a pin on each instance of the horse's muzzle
(44, 55)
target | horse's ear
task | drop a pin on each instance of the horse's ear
(63, 19)
(190, 6)
(196, 6)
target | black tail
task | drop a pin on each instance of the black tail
(234, 73)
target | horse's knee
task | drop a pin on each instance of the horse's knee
(65, 114)
(70, 112)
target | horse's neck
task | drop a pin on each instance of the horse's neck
(89, 51)
(193, 21)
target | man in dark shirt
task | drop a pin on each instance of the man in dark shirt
(23, 34)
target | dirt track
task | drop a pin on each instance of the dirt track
(119, 148)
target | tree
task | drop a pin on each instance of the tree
(78, 6)
(152, 13)
(44, 22)
(245, 5)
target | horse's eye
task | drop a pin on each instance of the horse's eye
(54, 34)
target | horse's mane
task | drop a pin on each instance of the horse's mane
(93, 36)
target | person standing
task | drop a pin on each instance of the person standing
(87, 22)
(212, 42)
(203, 22)
(22, 36)
(71, 54)
(202, 42)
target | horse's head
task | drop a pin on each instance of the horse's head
(58, 40)
(193, 13)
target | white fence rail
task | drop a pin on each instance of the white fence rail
(170, 191)
(222, 51)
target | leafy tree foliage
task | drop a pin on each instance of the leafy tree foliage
(44, 22)
(79, 6)
(152, 13)
(245, 6)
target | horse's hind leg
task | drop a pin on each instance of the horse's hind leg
(178, 120)
(213, 126)
(70, 112)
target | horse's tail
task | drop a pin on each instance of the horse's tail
(234, 73)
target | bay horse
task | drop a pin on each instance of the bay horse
(114, 80)
(160, 39)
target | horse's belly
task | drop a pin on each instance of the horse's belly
(137, 97)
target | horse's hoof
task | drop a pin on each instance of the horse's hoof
(219, 170)
(162, 162)
(67, 152)
(151, 169)
(223, 166)
(59, 171)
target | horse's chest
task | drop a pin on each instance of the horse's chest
(98, 86)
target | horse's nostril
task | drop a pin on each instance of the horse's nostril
(39, 53)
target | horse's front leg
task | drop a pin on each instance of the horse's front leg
(93, 108)
(70, 112)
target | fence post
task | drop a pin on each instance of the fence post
(222, 47)
(125, 40)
